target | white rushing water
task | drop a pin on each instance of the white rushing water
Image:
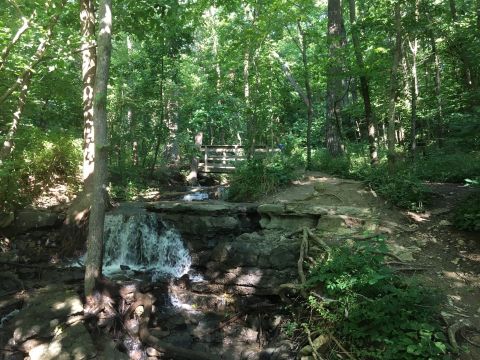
(142, 242)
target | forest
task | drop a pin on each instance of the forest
(345, 133)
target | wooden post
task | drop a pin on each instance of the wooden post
(205, 165)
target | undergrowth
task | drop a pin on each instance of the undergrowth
(261, 176)
(403, 186)
(39, 160)
(378, 313)
(467, 213)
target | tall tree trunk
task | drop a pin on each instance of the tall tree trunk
(467, 68)
(364, 87)
(87, 22)
(162, 115)
(306, 96)
(248, 103)
(308, 91)
(23, 82)
(397, 54)
(414, 92)
(334, 79)
(438, 92)
(94, 259)
(414, 85)
(453, 9)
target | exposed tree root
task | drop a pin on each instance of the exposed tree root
(339, 344)
(454, 328)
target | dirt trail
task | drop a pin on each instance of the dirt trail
(451, 258)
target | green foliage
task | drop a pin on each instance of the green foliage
(39, 160)
(339, 166)
(447, 166)
(381, 314)
(258, 177)
(467, 214)
(401, 187)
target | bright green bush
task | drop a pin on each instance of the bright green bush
(39, 159)
(447, 166)
(339, 166)
(400, 187)
(380, 314)
(258, 177)
(467, 214)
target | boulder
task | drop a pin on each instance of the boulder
(71, 343)
(31, 219)
(44, 312)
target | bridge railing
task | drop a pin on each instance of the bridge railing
(225, 158)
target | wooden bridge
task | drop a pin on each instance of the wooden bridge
(225, 158)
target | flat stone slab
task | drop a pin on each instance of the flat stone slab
(31, 219)
(202, 208)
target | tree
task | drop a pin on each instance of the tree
(364, 85)
(94, 259)
(23, 82)
(87, 20)
(397, 54)
(336, 43)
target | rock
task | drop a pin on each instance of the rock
(291, 216)
(43, 312)
(153, 352)
(182, 340)
(9, 282)
(404, 253)
(29, 219)
(444, 223)
(70, 343)
(6, 219)
(109, 350)
(159, 333)
(250, 354)
(283, 256)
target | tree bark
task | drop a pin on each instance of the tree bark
(87, 21)
(397, 54)
(94, 259)
(414, 91)
(308, 90)
(291, 79)
(335, 40)
(364, 87)
(438, 92)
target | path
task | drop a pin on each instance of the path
(452, 257)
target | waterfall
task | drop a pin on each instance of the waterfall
(143, 242)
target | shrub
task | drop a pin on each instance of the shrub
(400, 187)
(39, 159)
(339, 166)
(447, 167)
(379, 313)
(467, 214)
(258, 177)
